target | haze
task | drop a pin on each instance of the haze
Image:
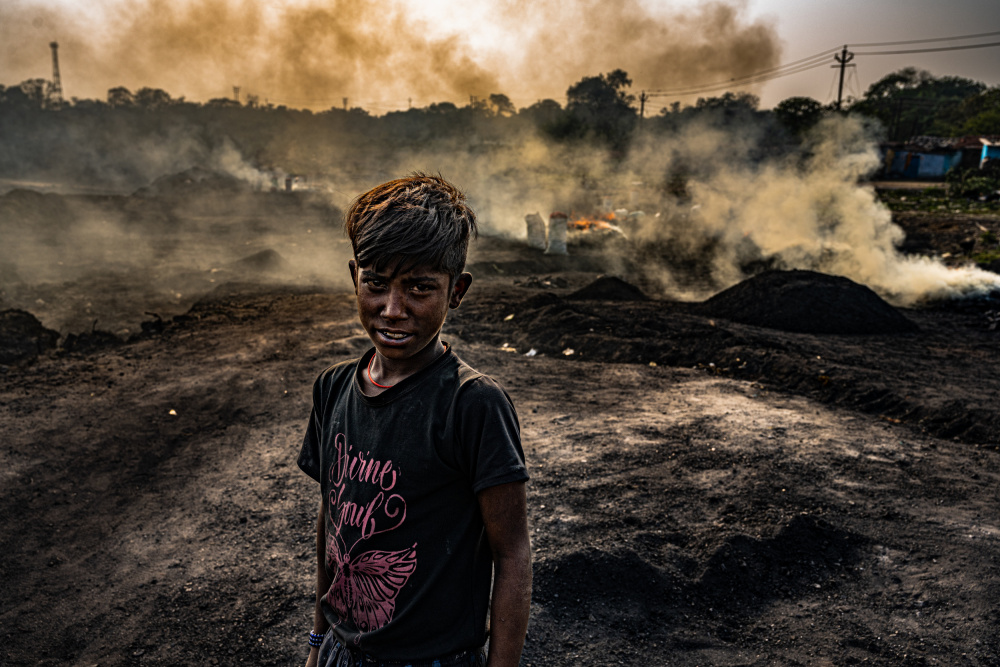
(391, 55)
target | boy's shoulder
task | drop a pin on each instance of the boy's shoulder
(477, 386)
(341, 368)
(335, 377)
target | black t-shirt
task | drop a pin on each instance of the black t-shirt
(406, 550)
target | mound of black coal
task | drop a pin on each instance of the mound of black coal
(808, 552)
(194, 181)
(807, 302)
(609, 288)
(22, 337)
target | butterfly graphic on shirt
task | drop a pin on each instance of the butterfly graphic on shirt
(365, 586)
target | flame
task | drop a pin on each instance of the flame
(588, 223)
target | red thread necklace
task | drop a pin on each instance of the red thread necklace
(372, 380)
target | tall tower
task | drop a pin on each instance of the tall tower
(55, 97)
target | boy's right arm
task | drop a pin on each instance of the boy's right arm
(320, 623)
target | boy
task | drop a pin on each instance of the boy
(418, 457)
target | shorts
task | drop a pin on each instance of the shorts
(332, 653)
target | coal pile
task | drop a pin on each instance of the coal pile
(22, 337)
(807, 302)
(609, 288)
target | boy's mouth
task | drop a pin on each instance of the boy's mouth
(394, 336)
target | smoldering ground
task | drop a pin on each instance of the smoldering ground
(748, 197)
(749, 200)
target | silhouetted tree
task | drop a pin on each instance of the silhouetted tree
(600, 106)
(977, 114)
(152, 98)
(121, 97)
(798, 114)
(223, 103)
(501, 105)
(911, 102)
(35, 91)
(543, 113)
(442, 108)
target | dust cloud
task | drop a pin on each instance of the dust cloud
(807, 210)
(747, 206)
(385, 55)
(749, 199)
(669, 48)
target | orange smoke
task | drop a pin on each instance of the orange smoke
(379, 54)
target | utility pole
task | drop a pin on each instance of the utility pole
(236, 94)
(642, 104)
(345, 104)
(844, 58)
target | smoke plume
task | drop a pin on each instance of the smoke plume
(744, 202)
(813, 214)
(385, 54)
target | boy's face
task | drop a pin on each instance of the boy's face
(403, 313)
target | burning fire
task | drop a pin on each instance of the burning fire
(591, 223)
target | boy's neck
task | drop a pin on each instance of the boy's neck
(384, 373)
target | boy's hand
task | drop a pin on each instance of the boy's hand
(313, 658)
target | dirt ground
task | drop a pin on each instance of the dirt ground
(703, 492)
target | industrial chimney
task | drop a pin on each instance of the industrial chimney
(55, 97)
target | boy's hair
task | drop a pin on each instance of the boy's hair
(415, 220)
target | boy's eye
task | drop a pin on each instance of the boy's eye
(374, 283)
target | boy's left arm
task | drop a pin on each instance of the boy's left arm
(505, 514)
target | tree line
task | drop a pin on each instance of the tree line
(39, 131)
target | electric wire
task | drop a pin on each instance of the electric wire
(932, 50)
(930, 39)
(768, 74)
(819, 60)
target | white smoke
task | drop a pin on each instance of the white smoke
(806, 210)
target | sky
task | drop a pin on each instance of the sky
(384, 55)
(806, 27)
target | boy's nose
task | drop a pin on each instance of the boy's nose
(395, 305)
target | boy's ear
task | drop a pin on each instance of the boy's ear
(462, 284)
(353, 266)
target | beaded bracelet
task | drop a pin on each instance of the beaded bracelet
(315, 639)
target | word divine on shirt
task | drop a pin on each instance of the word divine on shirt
(357, 471)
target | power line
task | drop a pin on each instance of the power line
(818, 59)
(930, 39)
(794, 67)
(941, 48)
